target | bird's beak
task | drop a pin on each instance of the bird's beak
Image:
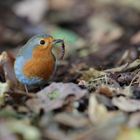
(59, 43)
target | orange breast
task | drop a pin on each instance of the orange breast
(42, 65)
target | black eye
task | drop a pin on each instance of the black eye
(42, 42)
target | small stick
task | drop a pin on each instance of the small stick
(26, 89)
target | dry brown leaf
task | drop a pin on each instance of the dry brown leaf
(129, 134)
(72, 120)
(97, 112)
(107, 130)
(34, 10)
(106, 90)
(136, 38)
(104, 31)
(63, 5)
(7, 62)
(126, 104)
(5, 133)
(53, 96)
(134, 120)
(125, 67)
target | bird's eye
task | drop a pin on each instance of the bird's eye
(42, 42)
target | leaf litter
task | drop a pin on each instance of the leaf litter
(96, 89)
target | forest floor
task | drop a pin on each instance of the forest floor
(95, 92)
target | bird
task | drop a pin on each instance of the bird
(35, 62)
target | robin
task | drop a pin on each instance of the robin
(35, 62)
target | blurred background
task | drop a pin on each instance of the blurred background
(98, 34)
(100, 30)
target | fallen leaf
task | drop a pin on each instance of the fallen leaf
(129, 134)
(53, 96)
(34, 10)
(72, 120)
(97, 112)
(105, 90)
(126, 104)
(134, 120)
(5, 133)
(126, 67)
(27, 131)
(64, 5)
(135, 38)
(4, 88)
(103, 30)
(7, 63)
(107, 130)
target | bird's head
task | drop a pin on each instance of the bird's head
(45, 42)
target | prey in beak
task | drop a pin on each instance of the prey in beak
(59, 43)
